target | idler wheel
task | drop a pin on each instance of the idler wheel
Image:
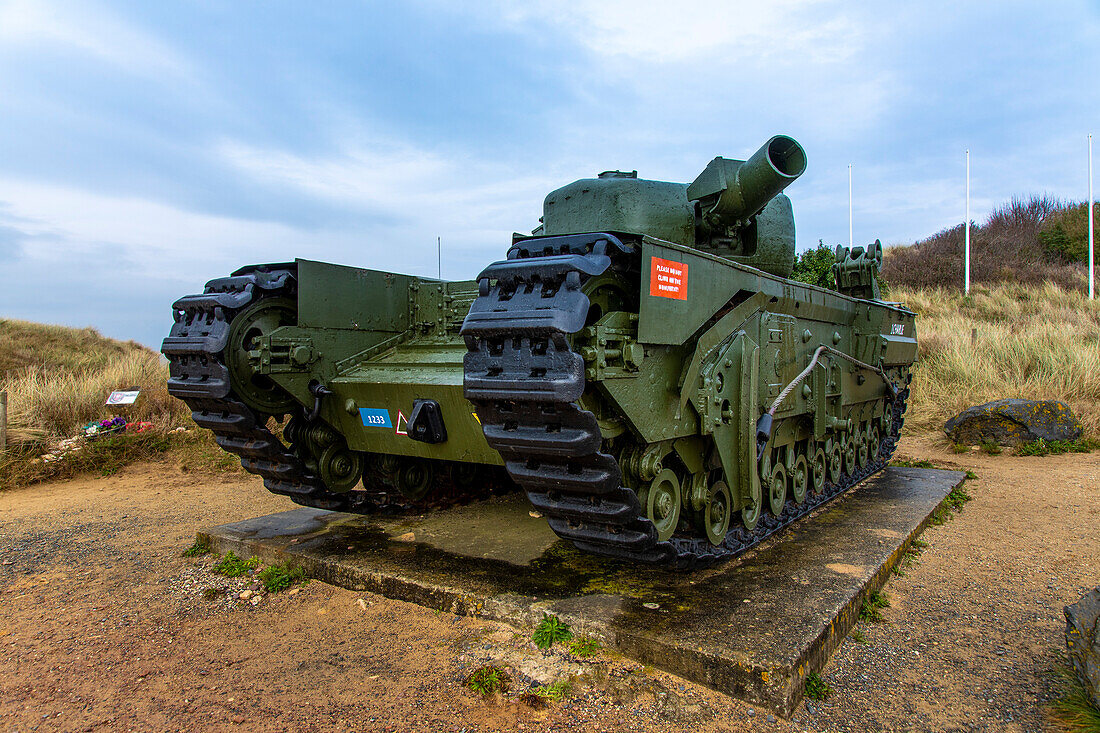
(414, 478)
(800, 479)
(817, 471)
(777, 489)
(714, 517)
(256, 390)
(340, 467)
(661, 500)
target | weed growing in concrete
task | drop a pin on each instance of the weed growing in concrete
(552, 692)
(232, 566)
(816, 687)
(198, 549)
(1054, 447)
(281, 576)
(857, 636)
(487, 680)
(990, 448)
(871, 610)
(584, 647)
(903, 463)
(1073, 706)
(918, 546)
(550, 630)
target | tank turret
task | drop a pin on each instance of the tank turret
(734, 208)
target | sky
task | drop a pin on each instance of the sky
(146, 148)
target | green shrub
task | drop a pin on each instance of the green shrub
(871, 610)
(550, 630)
(232, 566)
(816, 687)
(487, 680)
(280, 577)
(815, 266)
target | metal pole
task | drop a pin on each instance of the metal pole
(438, 258)
(1092, 258)
(3, 421)
(967, 276)
(849, 206)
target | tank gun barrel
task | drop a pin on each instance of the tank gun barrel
(730, 192)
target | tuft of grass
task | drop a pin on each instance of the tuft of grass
(281, 576)
(232, 566)
(198, 548)
(584, 647)
(971, 476)
(1073, 707)
(553, 692)
(1055, 447)
(871, 610)
(990, 448)
(487, 680)
(857, 636)
(551, 629)
(951, 503)
(904, 463)
(209, 594)
(816, 687)
(960, 448)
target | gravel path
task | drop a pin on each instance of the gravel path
(105, 627)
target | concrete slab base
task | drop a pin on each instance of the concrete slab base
(753, 627)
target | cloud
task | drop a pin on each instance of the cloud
(653, 32)
(32, 26)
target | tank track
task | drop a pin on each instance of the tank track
(525, 380)
(198, 375)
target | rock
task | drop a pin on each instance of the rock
(244, 595)
(1083, 641)
(1014, 421)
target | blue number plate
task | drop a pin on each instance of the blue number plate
(374, 417)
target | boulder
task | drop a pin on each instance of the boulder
(1083, 642)
(1010, 422)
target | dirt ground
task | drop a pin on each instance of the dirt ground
(105, 627)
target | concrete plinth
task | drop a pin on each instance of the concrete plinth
(752, 627)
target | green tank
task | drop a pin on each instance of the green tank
(640, 366)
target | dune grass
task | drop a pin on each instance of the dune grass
(1033, 342)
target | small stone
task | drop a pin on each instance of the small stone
(256, 600)
(238, 719)
(535, 515)
(407, 537)
(362, 604)
(244, 595)
(751, 712)
(771, 718)
(293, 591)
(652, 606)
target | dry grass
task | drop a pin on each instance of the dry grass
(46, 404)
(1034, 342)
(37, 345)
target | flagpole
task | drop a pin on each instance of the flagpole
(849, 206)
(967, 275)
(1092, 258)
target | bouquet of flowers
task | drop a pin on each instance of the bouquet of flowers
(104, 427)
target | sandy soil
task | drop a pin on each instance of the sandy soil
(104, 625)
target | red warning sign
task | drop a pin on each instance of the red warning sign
(668, 279)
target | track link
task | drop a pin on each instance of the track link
(198, 375)
(525, 380)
